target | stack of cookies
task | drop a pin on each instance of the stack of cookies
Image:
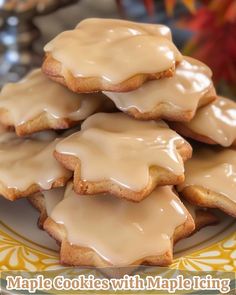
(107, 186)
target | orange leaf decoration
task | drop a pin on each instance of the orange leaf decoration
(170, 4)
(230, 14)
(214, 40)
(190, 4)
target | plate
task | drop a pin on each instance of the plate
(25, 247)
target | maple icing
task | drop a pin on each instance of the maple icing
(183, 91)
(28, 161)
(121, 232)
(216, 121)
(115, 50)
(36, 94)
(213, 169)
(122, 149)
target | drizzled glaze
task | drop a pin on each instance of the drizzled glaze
(115, 50)
(216, 121)
(182, 91)
(29, 161)
(135, 231)
(121, 149)
(39, 94)
(214, 169)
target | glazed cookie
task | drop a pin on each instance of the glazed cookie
(46, 201)
(36, 103)
(174, 99)
(125, 157)
(210, 179)
(136, 239)
(112, 55)
(28, 166)
(213, 124)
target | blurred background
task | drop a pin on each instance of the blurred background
(204, 29)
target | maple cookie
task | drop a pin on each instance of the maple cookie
(175, 99)
(144, 232)
(210, 179)
(28, 166)
(125, 157)
(213, 124)
(36, 103)
(46, 201)
(112, 55)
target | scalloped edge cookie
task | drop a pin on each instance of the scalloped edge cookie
(55, 71)
(75, 255)
(42, 122)
(166, 112)
(187, 132)
(13, 194)
(203, 197)
(158, 177)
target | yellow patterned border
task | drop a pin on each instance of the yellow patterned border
(219, 257)
(15, 255)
